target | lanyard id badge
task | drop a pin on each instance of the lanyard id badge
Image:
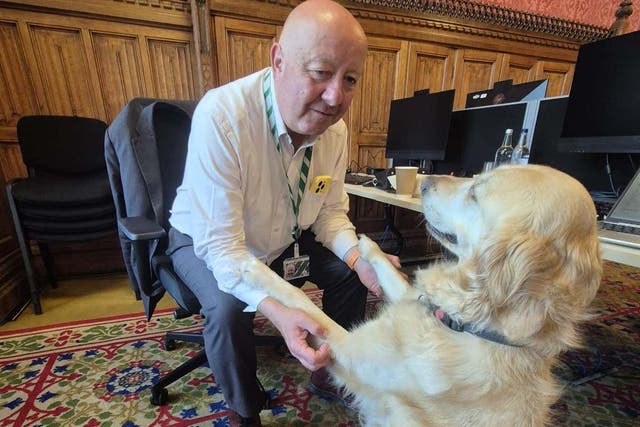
(297, 266)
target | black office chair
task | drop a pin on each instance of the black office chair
(143, 189)
(66, 195)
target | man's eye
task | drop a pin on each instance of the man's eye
(320, 74)
(351, 81)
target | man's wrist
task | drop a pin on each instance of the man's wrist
(352, 257)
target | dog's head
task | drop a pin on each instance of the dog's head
(526, 239)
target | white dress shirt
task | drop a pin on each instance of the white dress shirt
(234, 201)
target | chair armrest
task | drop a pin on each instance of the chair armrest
(139, 228)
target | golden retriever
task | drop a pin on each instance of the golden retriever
(472, 341)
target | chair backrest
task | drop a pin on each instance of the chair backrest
(171, 127)
(62, 144)
(145, 152)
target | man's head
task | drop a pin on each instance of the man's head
(316, 65)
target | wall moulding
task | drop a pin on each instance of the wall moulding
(452, 16)
(468, 10)
(173, 13)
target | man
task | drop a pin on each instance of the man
(264, 178)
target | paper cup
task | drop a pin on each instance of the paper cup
(405, 180)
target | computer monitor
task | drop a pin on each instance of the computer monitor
(476, 134)
(419, 126)
(603, 112)
(503, 93)
(591, 169)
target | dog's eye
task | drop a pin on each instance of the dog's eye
(471, 195)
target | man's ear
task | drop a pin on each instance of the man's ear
(276, 57)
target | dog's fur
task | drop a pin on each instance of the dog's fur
(528, 266)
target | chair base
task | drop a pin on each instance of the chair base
(159, 393)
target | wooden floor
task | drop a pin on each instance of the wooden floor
(81, 299)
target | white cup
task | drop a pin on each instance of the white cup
(405, 180)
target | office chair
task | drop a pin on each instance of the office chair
(66, 195)
(145, 168)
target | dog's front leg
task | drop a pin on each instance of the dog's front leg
(393, 283)
(262, 277)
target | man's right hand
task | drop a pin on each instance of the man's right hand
(295, 326)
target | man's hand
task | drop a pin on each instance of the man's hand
(368, 276)
(295, 327)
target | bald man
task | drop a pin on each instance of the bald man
(264, 179)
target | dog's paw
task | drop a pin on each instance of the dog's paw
(368, 248)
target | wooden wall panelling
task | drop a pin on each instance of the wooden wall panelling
(430, 66)
(384, 79)
(73, 62)
(243, 47)
(204, 48)
(17, 94)
(559, 76)
(120, 68)
(171, 68)
(518, 68)
(64, 75)
(475, 70)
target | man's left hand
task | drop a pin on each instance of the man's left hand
(368, 276)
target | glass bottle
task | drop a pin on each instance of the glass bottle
(520, 154)
(504, 152)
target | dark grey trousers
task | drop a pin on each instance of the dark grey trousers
(228, 331)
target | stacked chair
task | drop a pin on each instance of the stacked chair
(66, 195)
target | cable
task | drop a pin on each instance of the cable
(608, 168)
(633, 164)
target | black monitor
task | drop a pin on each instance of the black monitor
(476, 134)
(599, 173)
(503, 93)
(603, 112)
(419, 126)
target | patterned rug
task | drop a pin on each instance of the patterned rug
(98, 373)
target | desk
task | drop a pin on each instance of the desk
(411, 203)
(610, 252)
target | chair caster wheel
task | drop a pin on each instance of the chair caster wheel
(169, 345)
(160, 397)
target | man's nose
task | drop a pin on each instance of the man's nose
(333, 93)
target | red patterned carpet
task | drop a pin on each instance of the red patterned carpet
(98, 373)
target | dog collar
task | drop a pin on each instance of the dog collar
(469, 328)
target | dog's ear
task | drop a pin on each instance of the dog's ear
(533, 286)
(513, 266)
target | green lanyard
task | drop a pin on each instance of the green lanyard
(306, 162)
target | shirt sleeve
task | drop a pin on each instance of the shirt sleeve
(215, 191)
(332, 226)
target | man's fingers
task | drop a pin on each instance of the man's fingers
(395, 261)
(313, 327)
(313, 359)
